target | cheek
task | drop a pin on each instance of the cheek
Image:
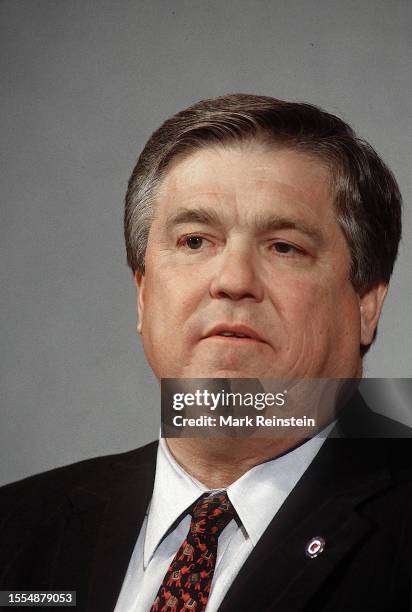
(170, 300)
(298, 301)
(319, 309)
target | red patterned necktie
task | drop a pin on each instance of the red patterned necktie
(186, 585)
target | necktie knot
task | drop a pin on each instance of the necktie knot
(211, 514)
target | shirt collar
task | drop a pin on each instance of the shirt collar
(174, 491)
(260, 492)
(256, 496)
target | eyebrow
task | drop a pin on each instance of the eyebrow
(206, 216)
(271, 223)
(262, 223)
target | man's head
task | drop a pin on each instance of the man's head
(249, 211)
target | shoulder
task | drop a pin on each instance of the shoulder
(357, 420)
(38, 495)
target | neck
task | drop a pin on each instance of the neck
(219, 462)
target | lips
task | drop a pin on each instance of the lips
(235, 331)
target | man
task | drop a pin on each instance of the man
(262, 236)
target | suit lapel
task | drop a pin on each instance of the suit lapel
(99, 534)
(324, 503)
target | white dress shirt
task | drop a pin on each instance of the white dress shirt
(256, 497)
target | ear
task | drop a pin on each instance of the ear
(139, 281)
(371, 302)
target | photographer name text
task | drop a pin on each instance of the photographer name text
(246, 421)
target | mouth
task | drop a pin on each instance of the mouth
(234, 333)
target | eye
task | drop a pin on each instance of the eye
(285, 248)
(194, 243)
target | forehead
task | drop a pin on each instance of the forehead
(247, 178)
(248, 165)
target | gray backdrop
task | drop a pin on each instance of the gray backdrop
(84, 85)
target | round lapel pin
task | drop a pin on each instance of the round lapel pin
(314, 547)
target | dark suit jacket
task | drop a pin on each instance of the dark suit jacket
(75, 528)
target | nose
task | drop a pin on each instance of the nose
(236, 276)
